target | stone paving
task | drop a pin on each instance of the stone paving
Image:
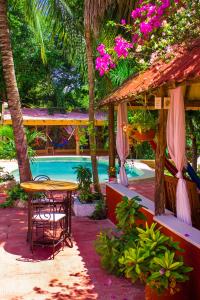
(74, 274)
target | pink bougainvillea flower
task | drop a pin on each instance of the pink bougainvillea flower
(123, 21)
(146, 28)
(165, 4)
(101, 49)
(151, 10)
(155, 22)
(104, 63)
(136, 13)
(121, 47)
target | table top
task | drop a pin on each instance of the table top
(48, 185)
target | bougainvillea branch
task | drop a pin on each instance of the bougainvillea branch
(147, 18)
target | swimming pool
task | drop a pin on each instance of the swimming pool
(61, 168)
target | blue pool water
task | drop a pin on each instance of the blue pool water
(61, 168)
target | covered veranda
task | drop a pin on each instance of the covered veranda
(170, 86)
(63, 131)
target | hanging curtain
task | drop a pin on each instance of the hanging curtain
(122, 141)
(176, 147)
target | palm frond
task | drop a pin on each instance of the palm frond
(66, 30)
(33, 17)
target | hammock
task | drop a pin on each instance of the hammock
(60, 145)
(193, 175)
(64, 142)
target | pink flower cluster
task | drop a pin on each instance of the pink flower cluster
(121, 47)
(104, 62)
(150, 16)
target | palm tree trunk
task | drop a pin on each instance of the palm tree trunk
(13, 95)
(92, 136)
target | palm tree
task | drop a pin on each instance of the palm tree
(13, 95)
(94, 11)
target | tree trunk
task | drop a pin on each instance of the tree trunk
(160, 164)
(13, 95)
(111, 131)
(92, 135)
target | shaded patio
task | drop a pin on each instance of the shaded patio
(75, 273)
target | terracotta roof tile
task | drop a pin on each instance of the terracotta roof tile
(184, 65)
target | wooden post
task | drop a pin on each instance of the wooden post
(160, 162)
(77, 141)
(47, 134)
(111, 132)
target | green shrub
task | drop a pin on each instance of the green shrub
(15, 193)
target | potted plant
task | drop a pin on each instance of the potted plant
(142, 126)
(112, 174)
(84, 204)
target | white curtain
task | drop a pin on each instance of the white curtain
(176, 147)
(122, 141)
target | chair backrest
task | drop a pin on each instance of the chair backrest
(170, 193)
(41, 178)
(44, 205)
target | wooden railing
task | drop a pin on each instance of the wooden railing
(194, 197)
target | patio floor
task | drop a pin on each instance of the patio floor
(145, 187)
(75, 273)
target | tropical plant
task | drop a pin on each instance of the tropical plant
(167, 271)
(100, 211)
(154, 261)
(84, 178)
(128, 212)
(142, 120)
(138, 253)
(110, 245)
(8, 148)
(15, 193)
(109, 248)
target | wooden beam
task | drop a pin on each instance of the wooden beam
(111, 135)
(160, 162)
(56, 122)
(141, 107)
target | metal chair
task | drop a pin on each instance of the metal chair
(41, 178)
(49, 226)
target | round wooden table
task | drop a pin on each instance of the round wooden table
(46, 186)
(49, 185)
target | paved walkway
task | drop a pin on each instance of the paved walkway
(74, 274)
